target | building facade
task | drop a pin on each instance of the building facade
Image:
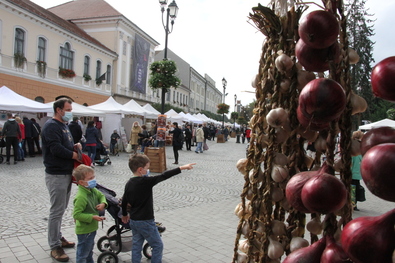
(88, 54)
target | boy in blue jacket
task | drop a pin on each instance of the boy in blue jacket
(87, 204)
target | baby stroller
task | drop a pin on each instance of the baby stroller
(119, 236)
(102, 156)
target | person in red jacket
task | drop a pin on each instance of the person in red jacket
(248, 134)
(21, 139)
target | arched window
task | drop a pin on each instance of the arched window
(98, 69)
(87, 61)
(66, 57)
(108, 75)
(42, 46)
(19, 42)
(39, 99)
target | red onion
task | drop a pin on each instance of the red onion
(324, 193)
(377, 136)
(333, 252)
(383, 78)
(316, 60)
(293, 190)
(377, 170)
(319, 29)
(370, 239)
(320, 102)
(307, 122)
(310, 254)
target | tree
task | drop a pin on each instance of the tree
(359, 30)
(234, 115)
(391, 114)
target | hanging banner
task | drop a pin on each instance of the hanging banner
(140, 65)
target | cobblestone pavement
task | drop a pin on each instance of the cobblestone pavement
(195, 206)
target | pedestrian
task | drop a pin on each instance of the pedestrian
(188, 137)
(28, 137)
(142, 136)
(248, 134)
(11, 132)
(206, 132)
(225, 132)
(75, 129)
(88, 202)
(139, 197)
(199, 139)
(21, 139)
(356, 173)
(36, 135)
(113, 141)
(92, 137)
(177, 141)
(134, 135)
(243, 133)
(59, 156)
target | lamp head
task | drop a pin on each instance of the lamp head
(224, 82)
(173, 10)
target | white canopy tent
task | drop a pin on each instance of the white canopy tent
(13, 102)
(173, 116)
(135, 107)
(80, 110)
(193, 118)
(151, 109)
(377, 124)
(111, 106)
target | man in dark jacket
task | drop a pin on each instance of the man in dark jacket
(75, 130)
(59, 156)
(11, 132)
(28, 137)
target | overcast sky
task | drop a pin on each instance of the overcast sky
(215, 37)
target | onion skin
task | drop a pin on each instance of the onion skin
(316, 60)
(377, 136)
(333, 252)
(294, 188)
(370, 239)
(310, 254)
(324, 193)
(320, 102)
(377, 170)
(383, 79)
(319, 29)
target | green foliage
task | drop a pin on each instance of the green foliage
(87, 77)
(214, 116)
(234, 115)
(163, 75)
(158, 107)
(391, 114)
(242, 120)
(19, 60)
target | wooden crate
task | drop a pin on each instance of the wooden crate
(220, 138)
(157, 156)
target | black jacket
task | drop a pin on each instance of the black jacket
(76, 131)
(11, 129)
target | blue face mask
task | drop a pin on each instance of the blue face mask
(68, 115)
(148, 172)
(91, 184)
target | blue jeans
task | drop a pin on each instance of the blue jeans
(21, 154)
(146, 229)
(199, 147)
(91, 152)
(85, 246)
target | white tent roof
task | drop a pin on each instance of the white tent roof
(135, 107)
(382, 123)
(111, 106)
(150, 108)
(12, 101)
(81, 110)
(193, 118)
(172, 116)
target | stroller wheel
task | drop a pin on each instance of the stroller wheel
(107, 257)
(147, 251)
(109, 162)
(108, 244)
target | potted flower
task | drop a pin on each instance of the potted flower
(163, 76)
(66, 73)
(87, 77)
(19, 60)
(41, 67)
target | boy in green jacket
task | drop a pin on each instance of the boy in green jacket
(87, 204)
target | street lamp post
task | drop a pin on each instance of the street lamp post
(235, 102)
(223, 114)
(172, 10)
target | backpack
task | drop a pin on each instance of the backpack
(181, 137)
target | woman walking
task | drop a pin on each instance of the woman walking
(92, 137)
(134, 135)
